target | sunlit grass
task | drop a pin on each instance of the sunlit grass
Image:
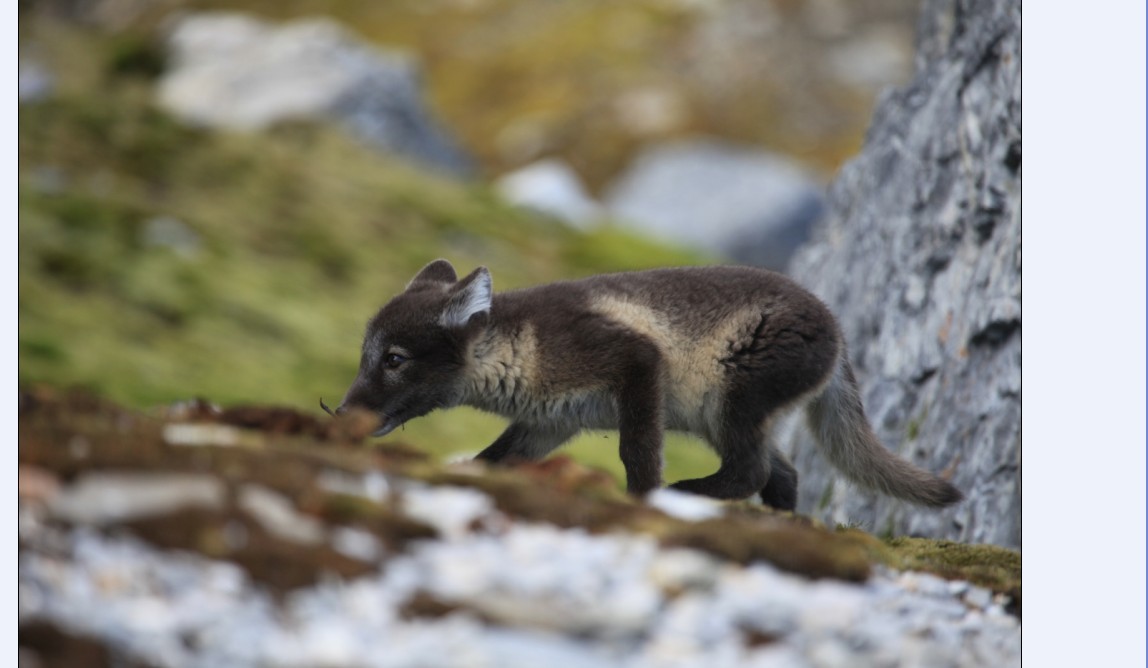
(463, 432)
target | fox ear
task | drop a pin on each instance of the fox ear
(470, 297)
(439, 271)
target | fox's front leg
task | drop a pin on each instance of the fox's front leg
(640, 420)
(526, 442)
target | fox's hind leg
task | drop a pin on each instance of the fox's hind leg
(751, 464)
(782, 362)
(780, 490)
(744, 471)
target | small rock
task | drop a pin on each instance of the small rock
(278, 515)
(678, 570)
(978, 597)
(371, 485)
(105, 498)
(234, 71)
(958, 587)
(684, 506)
(551, 187)
(200, 434)
(356, 543)
(451, 510)
(748, 205)
(172, 233)
(36, 82)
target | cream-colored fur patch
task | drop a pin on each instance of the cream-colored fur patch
(505, 380)
(695, 377)
(503, 370)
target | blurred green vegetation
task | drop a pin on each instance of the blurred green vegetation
(159, 262)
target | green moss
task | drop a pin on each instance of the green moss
(136, 54)
(989, 566)
(889, 531)
(826, 495)
(913, 430)
(49, 351)
(996, 568)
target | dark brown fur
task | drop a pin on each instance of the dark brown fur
(716, 351)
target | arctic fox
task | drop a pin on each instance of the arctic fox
(719, 352)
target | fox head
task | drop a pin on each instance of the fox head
(416, 348)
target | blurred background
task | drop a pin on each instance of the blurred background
(216, 196)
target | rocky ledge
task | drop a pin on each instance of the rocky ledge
(265, 536)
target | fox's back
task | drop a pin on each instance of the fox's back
(706, 322)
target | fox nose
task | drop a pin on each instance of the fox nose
(354, 398)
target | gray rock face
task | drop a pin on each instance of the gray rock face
(921, 261)
(747, 205)
(234, 71)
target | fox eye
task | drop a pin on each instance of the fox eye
(394, 360)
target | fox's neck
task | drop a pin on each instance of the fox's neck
(501, 372)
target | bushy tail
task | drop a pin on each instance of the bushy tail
(839, 425)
